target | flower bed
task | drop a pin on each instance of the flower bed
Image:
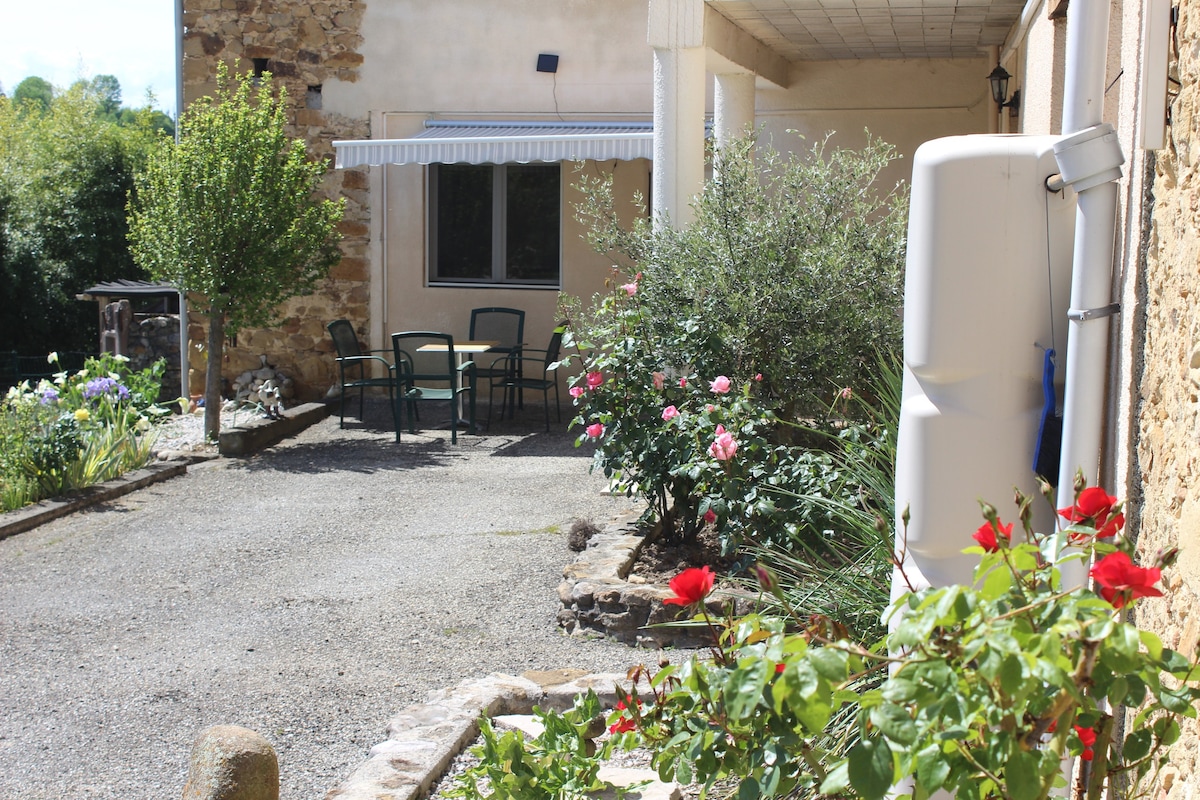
(76, 430)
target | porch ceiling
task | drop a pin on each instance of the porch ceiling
(821, 30)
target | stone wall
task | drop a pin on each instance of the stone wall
(153, 338)
(302, 44)
(1169, 414)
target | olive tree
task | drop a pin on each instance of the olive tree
(230, 215)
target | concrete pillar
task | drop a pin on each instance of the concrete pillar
(679, 84)
(733, 105)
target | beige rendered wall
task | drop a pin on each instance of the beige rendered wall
(461, 59)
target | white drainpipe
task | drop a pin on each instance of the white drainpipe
(1089, 161)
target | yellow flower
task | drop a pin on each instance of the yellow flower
(81, 415)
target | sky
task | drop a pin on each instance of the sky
(64, 40)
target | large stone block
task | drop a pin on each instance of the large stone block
(229, 762)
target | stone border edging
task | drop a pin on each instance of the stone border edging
(599, 599)
(31, 516)
(424, 738)
(260, 432)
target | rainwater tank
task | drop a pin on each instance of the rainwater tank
(986, 291)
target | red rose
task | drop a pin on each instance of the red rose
(1095, 507)
(1087, 738)
(624, 724)
(1121, 581)
(987, 535)
(690, 586)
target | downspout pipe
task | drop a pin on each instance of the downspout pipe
(1089, 157)
(184, 350)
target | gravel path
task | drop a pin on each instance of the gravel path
(307, 593)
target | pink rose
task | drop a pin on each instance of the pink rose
(595, 430)
(630, 288)
(709, 407)
(577, 391)
(594, 379)
(683, 383)
(710, 516)
(758, 377)
(723, 447)
(719, 385)
(847, 393)
(660, 380)
(670, 412)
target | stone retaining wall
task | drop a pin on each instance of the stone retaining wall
(601, 598)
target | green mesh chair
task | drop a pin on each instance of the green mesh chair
(537, 371)
(427, 371)
(358, 368)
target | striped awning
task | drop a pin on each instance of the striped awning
(459, 142)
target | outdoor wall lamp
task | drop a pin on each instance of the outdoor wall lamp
(998, 78)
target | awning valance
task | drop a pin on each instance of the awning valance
(480, 142)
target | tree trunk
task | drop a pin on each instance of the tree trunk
(212, 376)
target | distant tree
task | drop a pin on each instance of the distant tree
(65, 176)
(108, 91)
(34, 90)
(230, 214)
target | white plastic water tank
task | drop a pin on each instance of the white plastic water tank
(986, 290)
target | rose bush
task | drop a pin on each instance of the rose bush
(981, 690)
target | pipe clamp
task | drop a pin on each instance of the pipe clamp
(1084, 314)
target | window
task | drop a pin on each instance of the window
(494, 223)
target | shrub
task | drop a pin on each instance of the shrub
(792, 269)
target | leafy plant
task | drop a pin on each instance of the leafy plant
(561, 763)
(76, 430)
(792, 269)
(988, 687)
(230, 214)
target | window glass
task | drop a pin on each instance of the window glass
(464, 221)
(495, 223)
(532, 224)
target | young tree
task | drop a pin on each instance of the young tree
(230, 214)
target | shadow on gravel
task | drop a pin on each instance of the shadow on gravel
(352, 455)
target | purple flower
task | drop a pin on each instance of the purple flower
(97, 387)
(49, 396)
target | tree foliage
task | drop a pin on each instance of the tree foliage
(230, 214)
(792, 266)
(65, 175)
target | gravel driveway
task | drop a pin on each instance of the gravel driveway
(308, 593)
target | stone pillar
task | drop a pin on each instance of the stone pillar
(733, 105)
(676, 32)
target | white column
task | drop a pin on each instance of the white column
(733, 105)
(678, 132)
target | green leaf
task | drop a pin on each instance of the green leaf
(1137, 745)
(932, 768)
(895, 723)
(837, 780)
(872, 768)
(1021, 776)
(829, 663)
(744, 690)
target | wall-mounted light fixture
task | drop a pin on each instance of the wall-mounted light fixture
(998, 78)
(547, 62)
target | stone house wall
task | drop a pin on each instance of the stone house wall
(1168, 421)
(302, 44)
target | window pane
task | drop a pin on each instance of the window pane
(533, 225)
(464, 221)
